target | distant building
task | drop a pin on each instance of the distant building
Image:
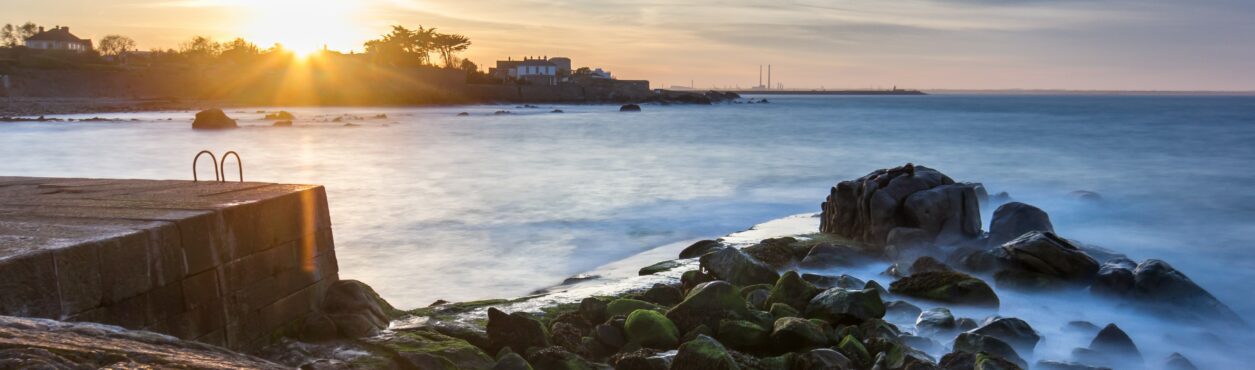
(58, 38)
(536, 70)
(598, 73)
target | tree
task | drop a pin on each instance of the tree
(448, 44)
(240, 51)
(11, 35)
(469, 66)
(406, 47)
(200, 48)
(114, 45)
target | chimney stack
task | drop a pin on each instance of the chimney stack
(41, 29)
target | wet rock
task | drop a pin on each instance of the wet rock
(625, 306)
(757, 298)
(651, 329)
(703, 353)
(569, 336)
(1062, 365)
(901, 311)
(965, 323)
(779, 310)
(357, 310)
(1041, 260)
(792, 333)
(282, 124)
(707, 304)
(921, 343)
(776, 252)
(421, 348)
(822, 359)
(1116, 346)
(868, 208)
(516, 331)
(1086, 195)
(556, 111)
(738, 268)
(593, 310)
(642, 359)
(791, 290)
(825, 255)
(742, 335)
(1178, 362)
(659, 267)
(1019, 334)
(985, 361)
(838, 305)
(907, 243)
(630, 108)
(1081, 327)
(1115, 279)
(1158, 284)
(950, 287)
(1014, 219)
(935, 322)
(212, 119)
(557, 358)
(511, 361)
(928, 264)
(609, 336)
(463, 114)
(693, 278)
(281, 116)
(853, 349)
(662, 294)
(976, 343)
(700, 248)
(873, 285)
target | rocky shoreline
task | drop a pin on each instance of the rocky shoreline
(896, 272)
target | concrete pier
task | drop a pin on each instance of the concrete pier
(225, 263)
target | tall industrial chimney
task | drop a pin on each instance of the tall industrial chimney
(768, 77)
(760, 75)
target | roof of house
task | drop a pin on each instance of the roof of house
(56, 34)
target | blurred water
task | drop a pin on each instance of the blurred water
(428, 205)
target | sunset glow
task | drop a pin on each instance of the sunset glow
(302, 26)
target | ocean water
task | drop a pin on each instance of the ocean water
(427, 205)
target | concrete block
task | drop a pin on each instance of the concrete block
(124, 267)
(201, 289)
(29, 286)
(78, 277)
(198, 322)
(166, 301)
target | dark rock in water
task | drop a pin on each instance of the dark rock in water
(1114, 344)
(1013, 219)
(502, 113)
(630, 108)
(822, 359)
(663, 294)
(873, 285)
(593, 309)
(965, 323)
(906, 243)
(1019, 334)
(703, 353)
(935, 322)
(846, 306)
(659, 267)
(463, 114)
(426, 349)
(784, 310)
(1060, 365)
(700, 248)
(1086, 195)
(356, 309)
(792, 333)
(928, 264)
(651, 329)
(950, 287)
(625, 306)
(511, 361)
(642, 359)
(793, 291)
(283, 124)
(976, 343)
(1114, 279)
(580, 278)
(901, 311)
(826, 255)
(557, 358)
(921, 343)
(1157, 284)
(516, 331)
(738, 268)
(1178, 362)
(281, 116)
(853, 349)
(743, 335)
(843, 281)
(707, 304)
(693, 278)
(1038, 260)
(609, 336)
(869, 208)
(556, 111)
(1085, 327)
(212, 119)
(775, 252)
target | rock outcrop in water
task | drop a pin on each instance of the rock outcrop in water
(213, 119)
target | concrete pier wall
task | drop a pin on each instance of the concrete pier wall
(229, 264)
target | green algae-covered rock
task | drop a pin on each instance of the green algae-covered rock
(777, 252)
(651, 329)
(947, 286)
(511, 361)
(985, 361)
(976, 343)
(659, 267)
(790, 289)
(700, 248)
(516, 331)
(558, 358)
(427, 349)
(736, 267)
(792, 333)
(742, 335)
(707, 304)
(703, 353)
(854, 350)
(779, 310)
(845, 306)
(822, 359)
(625, 306)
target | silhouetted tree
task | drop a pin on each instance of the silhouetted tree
(200, 49)
(11, 35)
(114, 45)
(240, 51)
(447, 45)
(406, 47)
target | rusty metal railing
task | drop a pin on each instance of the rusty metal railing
(220, 168)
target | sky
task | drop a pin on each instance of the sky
(927, 44)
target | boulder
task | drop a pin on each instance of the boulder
(825, 255)
(868, 208)
(935, 322)
(642, 359)
(949, 287)
(708, 304)
(1042, 260)
(651, 329)
(776, 252)
(793, 291)
(1114, 279)
(282, 115)
(212, 119)
(357, 310)
(609, 335)
(901, 311)
(822, 359)
(985, 361)
(1019, 334)
(593, 310)
(846, 306)
(693, 278)
(516, 331)
(907, 243)
(625, 306)
(1159, 285)
(282, 124)
(738, 268)
(700, 248)
(1064, 365)
(556, 358)
(421, 348)
(1116, 346)
(1176, 361)
(742, 335)
(853, 349)
(630, 108)
(792, 333)
(928, 264)
(659, 267)
(1013, 219)
(663, 294)
(511, 361)
(779, 310)
(976, 343)
(703, 353)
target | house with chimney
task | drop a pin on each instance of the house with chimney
(58, 38)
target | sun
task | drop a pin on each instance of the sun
(302, 26)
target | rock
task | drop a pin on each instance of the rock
(708, 304)
(1086, 195)
(463, 114)
(642, 359)
(976, 343)
(847, 306)
(935, 321)
(822, 359)
(703, 353)
(651, 329)
(609, 336)
(738, 268)
(1176, 361)
(356, 309)
(1114, 279)
(873, 285)
(868, 208)
(1114, 344)
(283, 124)
(853, 349)
(1085, 327)
(693, 278)
(700, 248)
(212, 119)
(1019, 334)
(659, 267)
(985, 361)
(593, 310)
(825, 255)
(516, 331)
(906, 243)
(557, 358)
(1014, 219)
(901, 311)
(779, 310)
(1040, 259)
(556, 111)
(663, 294)
(791, 290)
(568, 336)
(792, 333)
(965, 324)
(625, 306)
(928, 264)
(949, 287)
(1061, 365)
(742, 335)
(757, 298)
(776, 252)
(921, 343)
(421, 348)
(281, 116)
(511, 361)
(630, 108)
(318, 327)
(1157, 284)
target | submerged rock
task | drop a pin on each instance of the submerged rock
(1115, 279)
(212, 119)
(659, 267)
(1019, 334)
(825, 255)
(281, 116)
(1176, 361)
(901, 311)
(950, 287)
(976, 343)
(1014, 219)
(630, 108)
(738, 268)
(1113, 344)
(935, 321)
(1061, 365)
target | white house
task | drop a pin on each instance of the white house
(58, 38)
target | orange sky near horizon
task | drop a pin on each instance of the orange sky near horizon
(929, 44)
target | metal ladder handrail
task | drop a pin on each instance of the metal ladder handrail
(239, 164)
(213, 159)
